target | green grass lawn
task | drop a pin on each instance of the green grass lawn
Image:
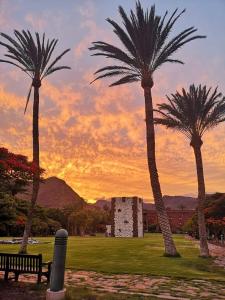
(130, 255)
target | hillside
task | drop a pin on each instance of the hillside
(171, 202)
(178, 202)
(54, 192)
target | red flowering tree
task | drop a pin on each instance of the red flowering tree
(215, 213)
(16, 172)
(214, 216)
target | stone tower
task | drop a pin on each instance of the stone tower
(127, 217)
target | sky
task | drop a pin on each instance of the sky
(93, 136)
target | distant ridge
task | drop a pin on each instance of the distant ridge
(54, 193)
(171, 202)
(180, 202)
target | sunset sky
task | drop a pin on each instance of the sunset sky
(93, 136)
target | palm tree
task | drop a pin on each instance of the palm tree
(32, 56)
(146, 48)
(192, 113)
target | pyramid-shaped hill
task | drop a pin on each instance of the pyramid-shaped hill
(53, 193)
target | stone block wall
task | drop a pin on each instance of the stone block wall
(127, 219)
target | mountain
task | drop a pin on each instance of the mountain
(171, 202)
(102, 203)
(54, 192)
(180, 202)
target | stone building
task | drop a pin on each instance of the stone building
(127, 217)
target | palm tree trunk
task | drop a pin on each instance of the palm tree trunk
(36, 178)
(170, 248)
(204, 250)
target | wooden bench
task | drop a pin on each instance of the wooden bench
(24, 264)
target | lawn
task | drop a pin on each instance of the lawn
(130, 255)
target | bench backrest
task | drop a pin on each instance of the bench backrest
(20, 262)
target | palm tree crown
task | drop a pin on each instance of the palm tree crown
(32, 55)
(193, 112)
(146, 43)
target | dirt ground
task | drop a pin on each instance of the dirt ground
(21, 291)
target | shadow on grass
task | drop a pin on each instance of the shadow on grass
(87, 294)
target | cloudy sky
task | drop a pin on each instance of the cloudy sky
(93, 136)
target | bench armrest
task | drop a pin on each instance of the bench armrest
(47, 263)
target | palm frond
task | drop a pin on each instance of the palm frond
(110, 51)
(125, 39)
(126, 79)
(55, 61)
(109, 68)
(52, 70)
(12, 63)
(145, 38)
(28, 98)
(48, 50)
(194, 111)
(31, 54)
(110, 74)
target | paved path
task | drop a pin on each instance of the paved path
(159, 287)
(149, 286)
(219, 254)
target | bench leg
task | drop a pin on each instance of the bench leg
(6, 277)
(16, 276)
(39, 278)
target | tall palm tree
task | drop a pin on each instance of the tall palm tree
(33, 56)
(146, 48)
(192, 113)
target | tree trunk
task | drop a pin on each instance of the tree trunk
(204, 250)
(170, 248)
(36, 177)
(82, 231)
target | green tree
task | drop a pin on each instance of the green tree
(98, 219)
(57, 215)
(192, 113)
(7, 213)
(33, 56)
(145, 38)
(79, 221)
(69, 209)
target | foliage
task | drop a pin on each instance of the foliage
(88, 220)
(13, 215)
(214, 214)
(7, 213)
(78, 219)
(32, 55)
(58, 215)
(16, 172)
(192, 112)
(145, 38)
(191, 226)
